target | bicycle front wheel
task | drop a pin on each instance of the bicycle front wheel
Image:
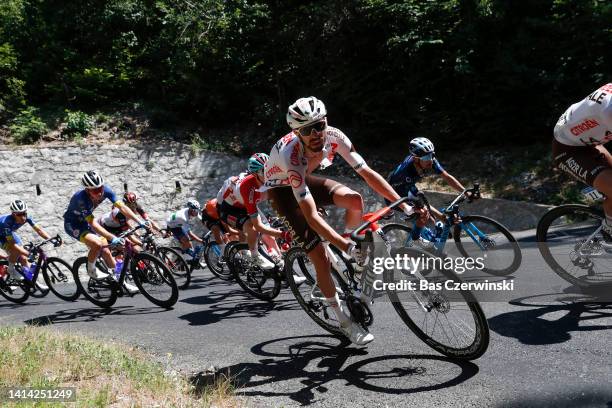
(449, 321)
(59, 278)
(216, 261)
(154, 280)
(569, 245)
(177, 265)
(11, 289)
(485, 238)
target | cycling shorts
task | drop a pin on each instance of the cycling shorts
(233, 216)
(178, 233)
(77, 229)
(582, 162)
(4, 241)
(286, 206)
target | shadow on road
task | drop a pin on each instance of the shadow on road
(233, 304)
(551, 323)
(90, 315)
(301, 369)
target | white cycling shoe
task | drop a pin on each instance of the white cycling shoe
(299, 279)
(132, 290)
(262, 262)
(41, 284)
(97, 274)
(357, 334)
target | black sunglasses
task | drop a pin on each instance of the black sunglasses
(318, 126)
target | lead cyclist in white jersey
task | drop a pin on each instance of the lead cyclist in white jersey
(578, 147)
(296, 194)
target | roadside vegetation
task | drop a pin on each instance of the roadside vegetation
(103, 373)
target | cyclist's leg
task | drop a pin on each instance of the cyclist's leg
(603, 182)
(329, 192)
(96, 245)
(284, 203)
(251, 235)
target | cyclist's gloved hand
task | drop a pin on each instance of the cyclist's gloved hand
(287, 237)
(117, 241)
(355, 252)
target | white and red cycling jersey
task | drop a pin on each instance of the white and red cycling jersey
(588, 122)
(289, 163)
(241, 192)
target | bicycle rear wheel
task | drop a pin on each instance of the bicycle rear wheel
(100, 292)
(177, 265)
(308, 296)
(263, 284)
(58, 275)
(14, 290)
(449, 321)
(562, 235)
(478, 235)
(154, 280)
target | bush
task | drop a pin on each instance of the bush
(27, 126)
(78, 124)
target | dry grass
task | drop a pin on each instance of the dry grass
(103, 374)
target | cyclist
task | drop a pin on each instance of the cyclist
(295, 194)
(178, 225)
(421, 161)
(10, 241)
(115, 222)
(239, 198)
(222, 233)
(80, 224)
(578, 148)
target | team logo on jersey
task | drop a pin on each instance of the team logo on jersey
(274, 170)
(295, 155)
(295, 180)
(584, 126)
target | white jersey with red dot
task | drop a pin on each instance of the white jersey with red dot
(588, 122)
(230, 191)
(289, 163)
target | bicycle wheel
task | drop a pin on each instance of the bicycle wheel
(308, 296)
(14, 290)
(154, 280)
(177, 265)
(263, 284)
(217, 262)
(100, 292)
(58, 275)
(477, 236)
(449, 321)
(569, 246)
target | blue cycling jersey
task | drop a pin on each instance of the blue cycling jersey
(8, 225)
(81, 207)
(405, 176)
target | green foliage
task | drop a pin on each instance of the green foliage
(458, 71)
(78, 124)
(27, 126)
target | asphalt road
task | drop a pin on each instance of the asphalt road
(546, 349)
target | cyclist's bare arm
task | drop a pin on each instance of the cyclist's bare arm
(127, 212)
(194, 237)
(264, 229)
(100, 230)
(452, 181)
(380, 185)
(318, 224)
(41, 232)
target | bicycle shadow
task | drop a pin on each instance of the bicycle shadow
(90, 315)
(550, 323)
(311, 363)
(234, 304)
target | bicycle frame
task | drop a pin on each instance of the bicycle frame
(40, 261)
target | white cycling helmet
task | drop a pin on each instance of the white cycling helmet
(305, 111)
(92, 179)
(194, 205)
(19, 206)
(421, 146)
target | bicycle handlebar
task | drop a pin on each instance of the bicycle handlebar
(355, 235)
(30, 246)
